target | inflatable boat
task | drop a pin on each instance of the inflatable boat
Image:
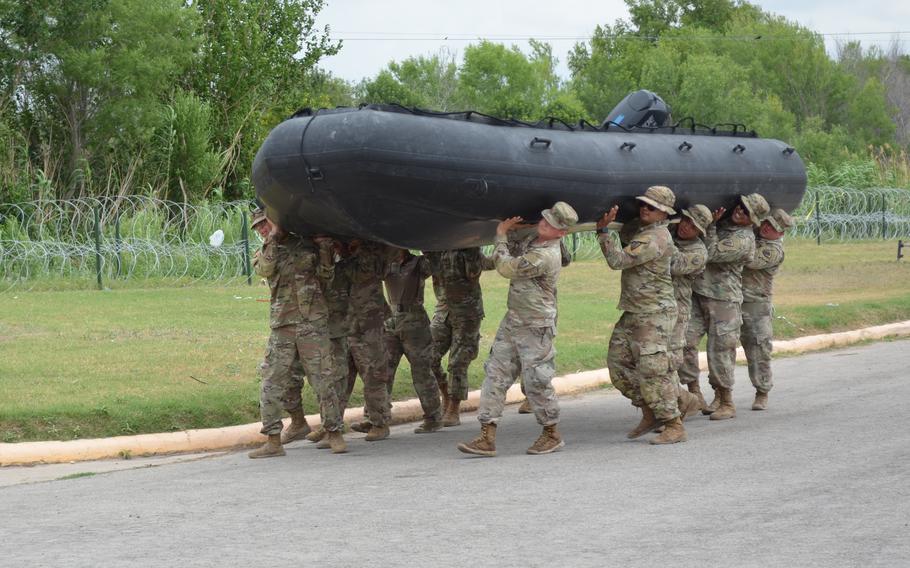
(433, 181)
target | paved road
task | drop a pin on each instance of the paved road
(821, 479)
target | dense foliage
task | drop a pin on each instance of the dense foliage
(96, 100)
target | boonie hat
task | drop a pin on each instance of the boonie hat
(780, 220)
(258, 217)
(661, 197)
(756, 206)
(561, 215)
(700, 216)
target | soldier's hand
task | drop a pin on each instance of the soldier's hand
(507, 225)
(608, 217)
(718, 213)
(324, 241)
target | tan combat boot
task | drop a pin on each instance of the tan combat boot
(377, 433)
(715, 404)
(428, 426)
(688, 404)
(482, 445)
(674, 432)
(695, 389)
(271, 449)
(362, 427)
(452, 416)
(336, 442)
(298, 429)
(761, 401)
(525, 407)
(648, 422)
(316, 435)
(726, 409)
(548, 442)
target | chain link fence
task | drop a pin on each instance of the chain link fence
(100, 241)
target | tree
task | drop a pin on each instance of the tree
(255, 58)
(91, 72)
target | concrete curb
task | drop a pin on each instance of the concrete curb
(30, 453)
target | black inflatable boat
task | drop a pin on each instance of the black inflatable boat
(428, 180)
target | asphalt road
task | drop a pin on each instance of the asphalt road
(820, 479)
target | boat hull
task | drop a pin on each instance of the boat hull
(436, 183)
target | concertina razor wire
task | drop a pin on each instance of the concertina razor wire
(142, 238)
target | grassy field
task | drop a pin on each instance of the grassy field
(85, 363)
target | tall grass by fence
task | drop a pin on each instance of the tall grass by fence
(102, 241)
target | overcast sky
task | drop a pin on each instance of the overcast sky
(379, 31)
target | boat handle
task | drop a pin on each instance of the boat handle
(788, 151)
(627, 146)
(545, 141)
(684, 147)
(739, 149)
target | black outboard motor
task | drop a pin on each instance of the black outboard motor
(641, 108)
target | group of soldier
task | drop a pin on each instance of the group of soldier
(331, 321)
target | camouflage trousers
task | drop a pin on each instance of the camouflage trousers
(639, 361)
(721, 321)
(291, 349)
(678, 340)
(756, 335)
(525, 352)
(367, 349)
(460, 336)
(345, 370)
(408, 333)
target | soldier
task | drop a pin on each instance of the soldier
(524, 342)
(717, 301)
(638, 357)
(407, 332)
(369, 311)
(456, 322)
(758, 285)
(297, 270)
(293, 401)
(442, 337)
(340, 322)
(688, 262)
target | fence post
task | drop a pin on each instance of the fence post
(574, 246)
(245, 235)
(818, 221)
(117, 242)
(97, 211)
(884, 222)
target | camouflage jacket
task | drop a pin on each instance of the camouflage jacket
(688, 262)
(730, 247)
(533, 269)
(459, 277)
(758, 275)
(404, 282)
(298, 274)
(367, 301)
(645, 263)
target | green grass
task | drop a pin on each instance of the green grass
(88, 363)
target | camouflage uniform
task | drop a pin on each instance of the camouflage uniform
(758, 282)
(456, 322)
(298, 272)
(338, 296)
(524, 342)
(407, 331)
(442, 336)
(638, 357)
(716, 304)
(367, 342)
(688, 263)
